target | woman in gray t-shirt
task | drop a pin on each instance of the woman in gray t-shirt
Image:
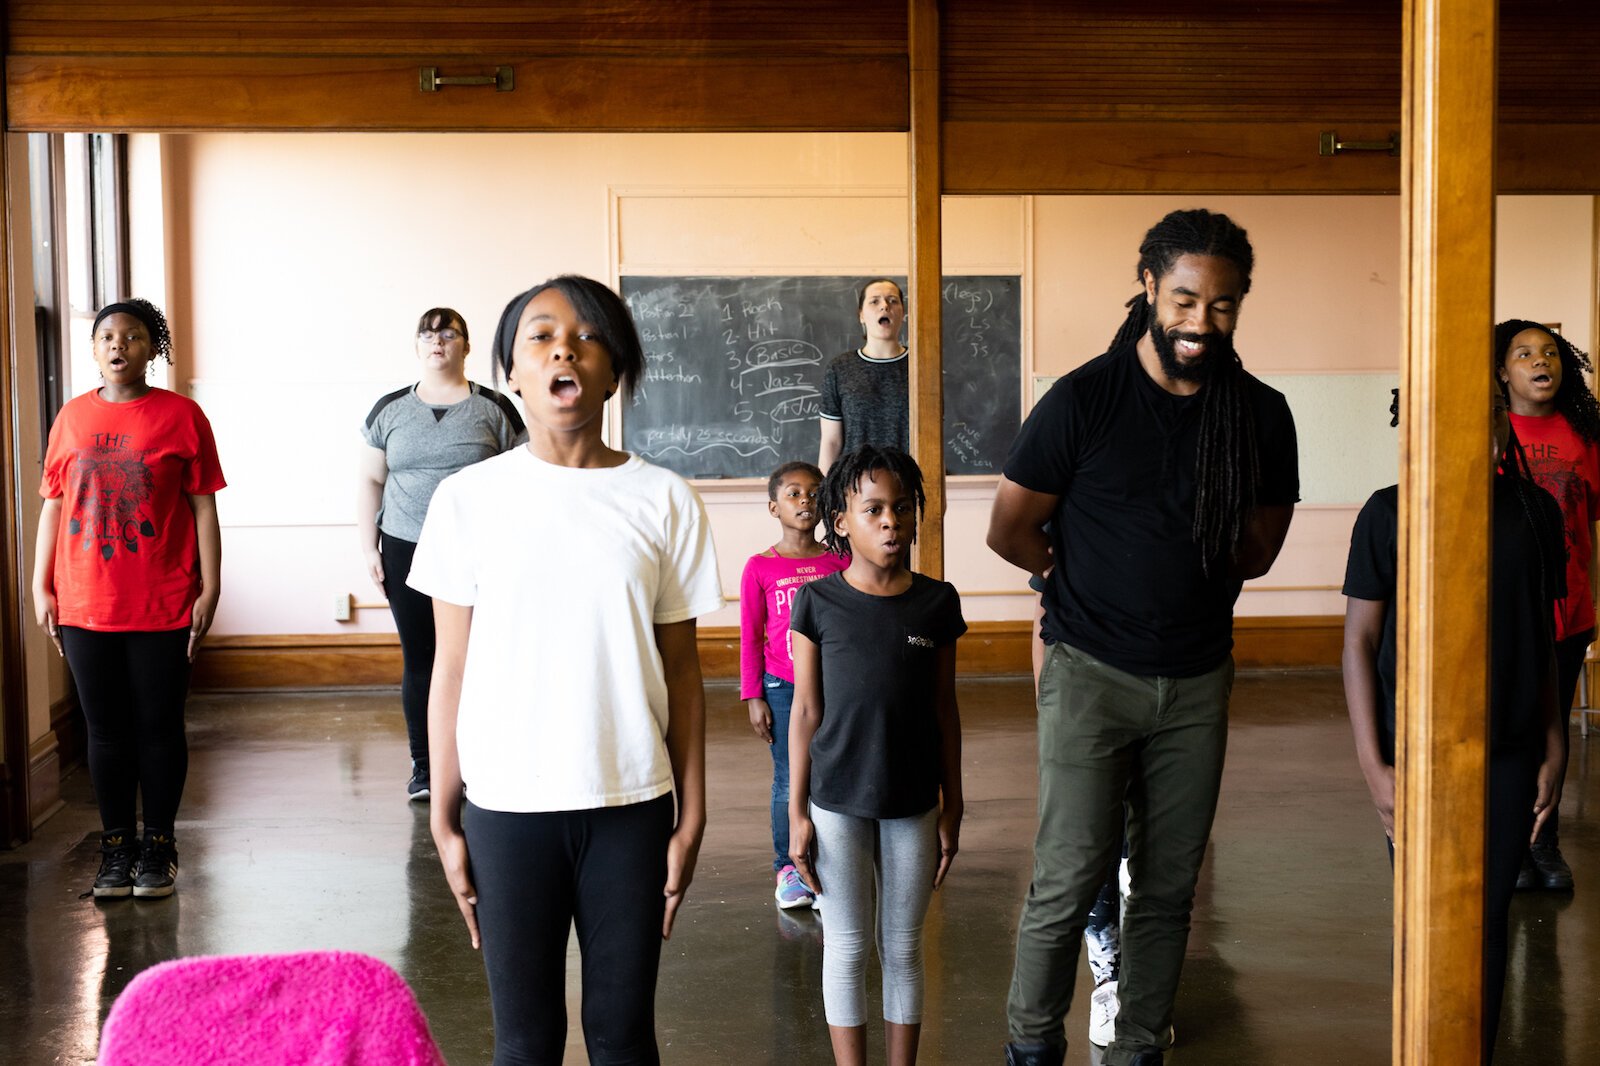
(864, 393)
(415, 438)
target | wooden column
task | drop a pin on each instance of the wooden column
(924, 283)
(15, 820)
(1445, 494)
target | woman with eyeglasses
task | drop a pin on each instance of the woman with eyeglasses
(416, 437)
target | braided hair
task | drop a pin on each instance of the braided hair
(846, 473)
(1513, 465)
(1573, 398)
(1227, 471)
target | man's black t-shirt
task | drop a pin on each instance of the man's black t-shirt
(1128, 586)
(876, 754)
(1529, 569)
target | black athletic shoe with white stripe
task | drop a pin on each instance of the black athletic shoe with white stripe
(119, 854)
(158, 866)
(417, 787)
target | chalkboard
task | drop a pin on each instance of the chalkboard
(734, 368)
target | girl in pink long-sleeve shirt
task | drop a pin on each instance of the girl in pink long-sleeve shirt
(766, 668)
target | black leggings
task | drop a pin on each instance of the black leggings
(413, 619)
(1513, 784)
(132, 688)
(539, 874)
(1569, 661)
(1508, 820)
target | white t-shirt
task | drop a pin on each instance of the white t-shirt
(564, 699)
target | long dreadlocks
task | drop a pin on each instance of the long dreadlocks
(1545, 521)
(1573, 398)
(1227, 466)
(843, 477)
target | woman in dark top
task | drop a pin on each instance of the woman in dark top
(864, 391)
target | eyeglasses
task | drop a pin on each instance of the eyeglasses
(431, 335)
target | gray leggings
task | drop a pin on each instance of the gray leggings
(901, 855)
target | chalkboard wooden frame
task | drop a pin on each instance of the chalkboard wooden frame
(734, 368)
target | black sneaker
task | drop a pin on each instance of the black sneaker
(1527, 876)
(1035, 1056)
(1551, 871)
(417, 787)
(119, 853)
(158, 866)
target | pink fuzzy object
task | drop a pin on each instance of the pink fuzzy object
(330, 1008)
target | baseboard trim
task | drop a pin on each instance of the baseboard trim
(369, 660)
(44, 779)
(310, 660)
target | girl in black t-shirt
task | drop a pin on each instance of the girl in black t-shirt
(874, 746)
(1525, 730)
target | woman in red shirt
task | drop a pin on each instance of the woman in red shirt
(127, 584)
(1556, 419)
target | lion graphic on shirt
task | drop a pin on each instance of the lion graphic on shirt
(113, 488)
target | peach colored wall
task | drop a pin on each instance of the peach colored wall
(1544, 263)
(1325, 292)
(299, 264)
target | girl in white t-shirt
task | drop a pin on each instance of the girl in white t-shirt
(567, 706)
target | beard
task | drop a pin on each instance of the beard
(1218, 351)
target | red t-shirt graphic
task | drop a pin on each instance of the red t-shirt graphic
(1568, 468)
(126, 554)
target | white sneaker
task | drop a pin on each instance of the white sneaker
(1103, 1014)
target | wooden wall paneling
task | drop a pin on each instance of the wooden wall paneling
(1548, 97)
(1442, 732)
(1163, 97)
(926, 364)
(458, 28)
(1237, 60)
(1166, 97)
(325, 660)
(627, 65)
(990, 649)
(1149, 156)
(1546, 69)
(15, 820)
(567, 93)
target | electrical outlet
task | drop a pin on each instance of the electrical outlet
(341, 607)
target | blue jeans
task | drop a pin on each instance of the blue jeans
(780, 697)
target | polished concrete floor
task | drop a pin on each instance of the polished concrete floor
(294, 835)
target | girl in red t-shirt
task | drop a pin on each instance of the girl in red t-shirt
(1556, 419)
(127, 584)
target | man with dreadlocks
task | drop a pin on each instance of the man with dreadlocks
(1143, 489)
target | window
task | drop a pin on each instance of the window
(79, 191)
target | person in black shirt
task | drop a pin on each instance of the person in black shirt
(1166, 476)
(1526, 729)
(865, 397)
(875, 800)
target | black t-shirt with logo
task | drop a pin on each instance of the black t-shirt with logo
(1529, 575)
(1128, 586)
(876, 753)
